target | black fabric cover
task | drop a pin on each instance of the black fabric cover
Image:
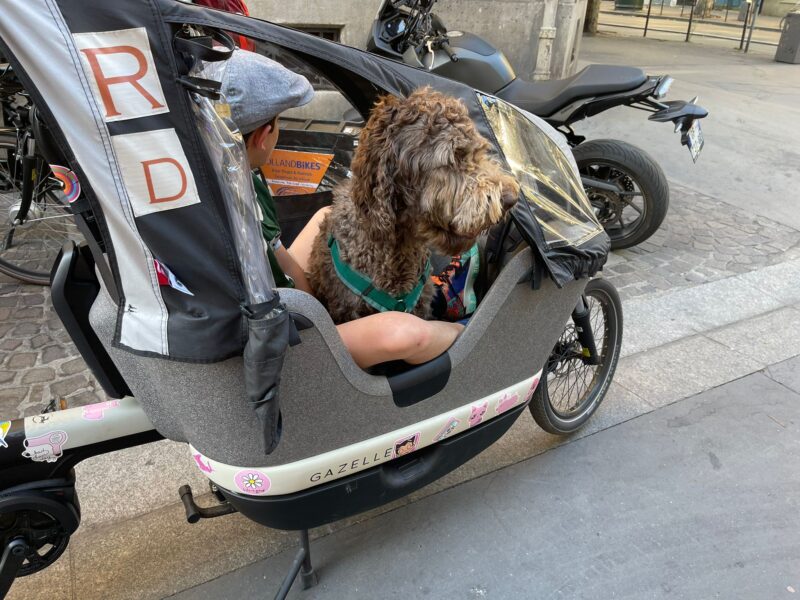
(269, 328)
(361, 76)
(564, 263)
(193, 241)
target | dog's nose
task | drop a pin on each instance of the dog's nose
(509, 199)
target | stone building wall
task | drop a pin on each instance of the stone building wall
(540, 37)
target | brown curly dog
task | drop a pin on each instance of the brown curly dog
(422, 180)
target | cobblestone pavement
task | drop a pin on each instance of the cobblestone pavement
(701, 240)
(38, 361)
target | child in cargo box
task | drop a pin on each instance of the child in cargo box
(258, 90)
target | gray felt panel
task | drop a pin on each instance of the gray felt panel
(324, 396)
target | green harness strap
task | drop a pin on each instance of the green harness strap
(361, 285)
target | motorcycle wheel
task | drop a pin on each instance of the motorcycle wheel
(633, 214)
(570, 390)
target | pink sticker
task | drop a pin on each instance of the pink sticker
(534, 385)
(404, 446)
(447, 430)
(252, 482)
(96, 412)
(477, 412)
(506, 402)
(203, 466)
(47, 447)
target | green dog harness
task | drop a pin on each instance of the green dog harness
(362, 286)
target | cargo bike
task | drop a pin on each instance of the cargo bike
(172, 305)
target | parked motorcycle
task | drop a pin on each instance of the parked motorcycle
(627, 188)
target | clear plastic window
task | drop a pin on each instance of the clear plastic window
(226, 148)
(546, 175)
(329, 104)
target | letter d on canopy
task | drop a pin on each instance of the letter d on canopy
(155, 171)
(147, 164)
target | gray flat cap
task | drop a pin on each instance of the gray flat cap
(258, 88)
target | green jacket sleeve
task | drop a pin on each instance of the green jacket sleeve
(271, 230)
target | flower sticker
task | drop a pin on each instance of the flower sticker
(252, 482)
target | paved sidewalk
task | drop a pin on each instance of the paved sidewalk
(38, 361)
(697, 500)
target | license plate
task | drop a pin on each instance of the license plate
(695, 140)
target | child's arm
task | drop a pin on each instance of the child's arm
(292, 269)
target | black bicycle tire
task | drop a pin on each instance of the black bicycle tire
(644, 170)
(541, 406)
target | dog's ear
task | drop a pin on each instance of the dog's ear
(374, 168)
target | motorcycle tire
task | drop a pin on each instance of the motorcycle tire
(643, 189)
(570, 389)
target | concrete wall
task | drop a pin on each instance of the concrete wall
(540, 37)
(779, 8)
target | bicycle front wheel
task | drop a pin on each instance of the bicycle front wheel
(571, 389)
(29, 249)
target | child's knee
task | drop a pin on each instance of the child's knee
(406, 336)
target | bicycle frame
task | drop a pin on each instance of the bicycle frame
(583, 327)
(34, 176)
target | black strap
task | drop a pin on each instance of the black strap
(214, 47)
(262, 309)
(205, 87)
(99, 258)
(203, 47)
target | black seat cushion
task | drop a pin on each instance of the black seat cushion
(543, 98)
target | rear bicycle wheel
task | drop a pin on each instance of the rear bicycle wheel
(29, 249)
(571, 390)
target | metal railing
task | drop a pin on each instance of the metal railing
(684, 21)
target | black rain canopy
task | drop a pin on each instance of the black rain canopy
(122, 86)
(115, 88)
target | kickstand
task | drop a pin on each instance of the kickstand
(12, 558)
(302, 565)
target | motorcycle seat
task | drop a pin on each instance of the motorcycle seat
(543, 98)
